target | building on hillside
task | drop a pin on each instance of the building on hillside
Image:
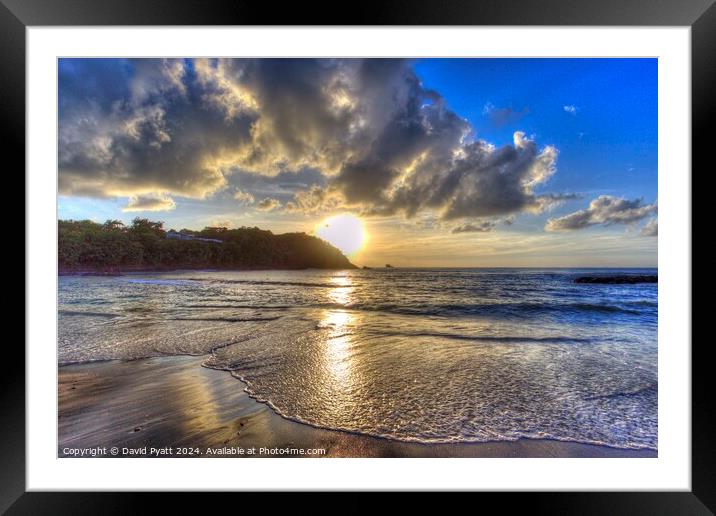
(178, 235)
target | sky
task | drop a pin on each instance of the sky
(448, 162)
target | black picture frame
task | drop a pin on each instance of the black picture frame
(17, 15)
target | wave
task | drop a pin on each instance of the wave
(652, 388)
(200, 306)
(72, 313)
(266, 282)
(423, 439)
(159, 281)
(488, 338)
(225, 319)
(519, 309)
(493, 309)
(531, 307)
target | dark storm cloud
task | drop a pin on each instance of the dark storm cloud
(283, 184)
(372, 135)
(479, 180)
(365, 181)
(152, 137)
(605, 210)
(481, 227)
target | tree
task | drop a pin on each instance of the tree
(112, 245)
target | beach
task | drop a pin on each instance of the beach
(174, 402)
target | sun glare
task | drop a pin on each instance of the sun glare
(345, 231)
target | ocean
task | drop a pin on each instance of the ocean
(423, 355)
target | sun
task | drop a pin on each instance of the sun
(345, 231)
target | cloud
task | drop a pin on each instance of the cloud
(478, 180)
(315, 199)
(605, 210)
(282, 186)
(572, 110)
(503, 116)
(149, 203)
(547, 202)
(243, 197)
(651, 228)
(134, 128)
(358, 133)
(268, 204)
(481, 227)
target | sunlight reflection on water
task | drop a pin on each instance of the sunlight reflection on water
(341, 324)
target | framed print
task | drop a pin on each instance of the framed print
(419, 252)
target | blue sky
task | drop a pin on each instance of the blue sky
(609, 145)
(284, 144)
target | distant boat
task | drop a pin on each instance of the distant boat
(388, 266)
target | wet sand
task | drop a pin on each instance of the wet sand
(157, 406)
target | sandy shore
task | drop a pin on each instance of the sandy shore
(147, 407)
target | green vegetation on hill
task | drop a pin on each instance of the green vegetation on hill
(88, 246)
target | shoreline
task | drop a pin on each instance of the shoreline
(112, 271)
(174, 402)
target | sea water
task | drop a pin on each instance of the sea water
(427, 355)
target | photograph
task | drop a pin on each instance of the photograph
(429, 257)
